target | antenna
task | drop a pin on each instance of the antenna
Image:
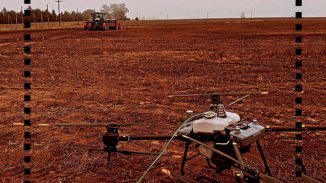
(58, 1)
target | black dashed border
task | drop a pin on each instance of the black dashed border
(27, 97)
(298, 88)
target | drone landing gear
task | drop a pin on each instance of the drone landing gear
(184, 158)
(267, 170)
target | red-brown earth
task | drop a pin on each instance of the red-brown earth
(125, 77)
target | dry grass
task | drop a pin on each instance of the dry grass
(44, 25)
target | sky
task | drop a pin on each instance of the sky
(176, 9)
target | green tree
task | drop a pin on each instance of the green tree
(73, 16)
(37, 14)
(53, 16)
(12, 16)
(106, 9)
(118, 11)
(66, 16)
(4, 10)
(87, 14)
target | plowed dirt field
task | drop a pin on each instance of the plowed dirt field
(125, 76)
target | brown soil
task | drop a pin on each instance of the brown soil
(125, 76)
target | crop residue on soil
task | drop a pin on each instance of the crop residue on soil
(125, 77)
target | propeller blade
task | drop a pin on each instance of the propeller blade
(221, 94)
(84, 148)
(66, 124)
(74, 124)
(90, 124)
(234, 102)
(269, 179)
(18, 124)
(295, 129)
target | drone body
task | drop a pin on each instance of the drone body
(221, 137)
(225, 132)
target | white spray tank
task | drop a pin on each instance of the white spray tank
(212, 122)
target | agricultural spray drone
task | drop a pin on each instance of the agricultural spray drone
(222, 137)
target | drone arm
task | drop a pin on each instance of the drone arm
(144, 137)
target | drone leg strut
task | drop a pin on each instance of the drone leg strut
(268, 171)
(237, 153)
(109, 157)
(184, 158)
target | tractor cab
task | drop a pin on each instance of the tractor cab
(99, 22)
(98, 17)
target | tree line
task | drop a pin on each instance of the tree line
(118, 11)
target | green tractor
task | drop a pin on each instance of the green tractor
(98, 22)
